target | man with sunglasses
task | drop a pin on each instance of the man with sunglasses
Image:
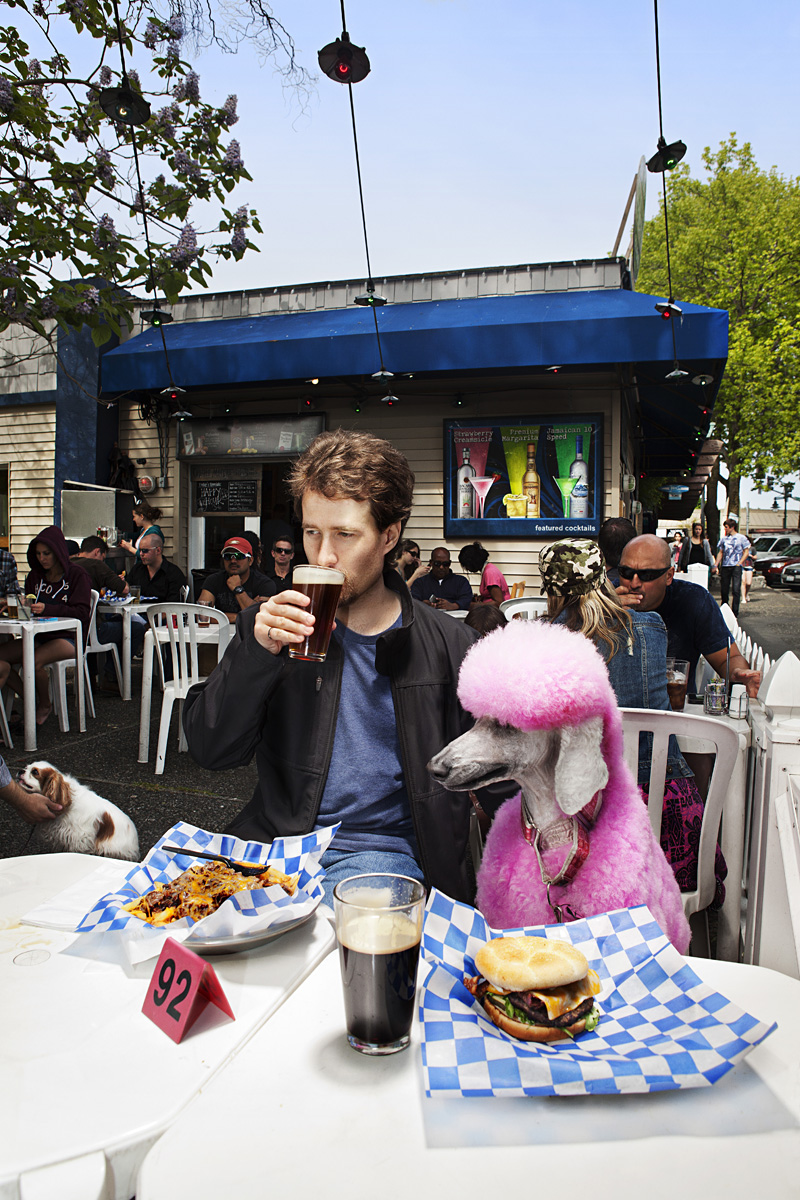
(282, 559)
(690, 613)
(238, 585)
(441, 587)
(155, 575)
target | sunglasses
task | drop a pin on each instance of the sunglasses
(279, 551)
(646, 574)
(233, 554)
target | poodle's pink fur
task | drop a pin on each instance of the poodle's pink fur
(533, 675)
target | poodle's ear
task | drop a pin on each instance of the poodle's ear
(581, 769)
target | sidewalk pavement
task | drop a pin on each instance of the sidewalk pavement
(105, 759)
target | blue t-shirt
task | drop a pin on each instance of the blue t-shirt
(694, 623)
(733, 546)
(365, 789)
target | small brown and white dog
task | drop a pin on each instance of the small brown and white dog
(87, 823)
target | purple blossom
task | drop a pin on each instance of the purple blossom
(84, 308)
(152, 34)
(175, 27)
(76, 8)
(239, 241)
(230, 116)
(241, 218)
(6, 213)
(48, 307)
(81, 135)
(9, 270)
(134, 81)
(39, 9)
(92, 296)
(104, 169)
(187, 166)
(138, 203)
(233, 157)
(104, 233)
(6, 94)
(34, 68)
(188, 88)
(184, 251)
(105, 76)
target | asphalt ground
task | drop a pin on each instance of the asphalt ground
(105, 757)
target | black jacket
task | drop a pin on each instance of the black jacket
(284, 712)
(165, 585)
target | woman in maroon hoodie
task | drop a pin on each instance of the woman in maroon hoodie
(62, 589)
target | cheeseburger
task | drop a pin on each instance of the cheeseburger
(536, 989)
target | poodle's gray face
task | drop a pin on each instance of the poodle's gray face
(562, 766)
(490, 752)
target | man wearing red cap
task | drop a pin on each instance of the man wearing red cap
(238, 585)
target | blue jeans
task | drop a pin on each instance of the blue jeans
(340, 864)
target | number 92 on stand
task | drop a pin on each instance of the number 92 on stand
(181, 985)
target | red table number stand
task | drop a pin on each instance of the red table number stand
(181, 986)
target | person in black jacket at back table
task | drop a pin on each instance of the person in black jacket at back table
(348, 740)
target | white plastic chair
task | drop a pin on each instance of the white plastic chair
(95, 646)
(532, 606)
(58, 678)
(726, 742)
(5, 732)
(180, 624)
(184, 593)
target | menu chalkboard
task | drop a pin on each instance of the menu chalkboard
(227, 496)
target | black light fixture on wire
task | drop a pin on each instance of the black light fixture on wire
(129, 108)
(665, 158)
(345, 63)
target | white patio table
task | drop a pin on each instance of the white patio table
(126, 611)
(335, 1122)
(87, 1082)
(28, 630)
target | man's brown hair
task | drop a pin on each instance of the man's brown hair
(345, 464)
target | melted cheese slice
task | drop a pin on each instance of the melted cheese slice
(559, 1000)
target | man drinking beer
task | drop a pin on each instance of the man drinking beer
(347, 739)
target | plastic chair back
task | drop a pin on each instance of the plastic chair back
(726, 743)
(531, 606)
(181, 624)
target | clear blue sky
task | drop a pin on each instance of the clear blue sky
(494, 133)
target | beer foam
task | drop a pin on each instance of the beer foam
(377, 932)
(308, 575)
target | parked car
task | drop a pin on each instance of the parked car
(772, 543)
(790, 576)
(765, 562)
(774, 574)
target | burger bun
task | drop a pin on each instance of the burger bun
(516, 964)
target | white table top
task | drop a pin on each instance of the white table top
(334, 1121)
(82, 1071)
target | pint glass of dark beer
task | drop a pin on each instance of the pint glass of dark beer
(324, 586)
(378, 928)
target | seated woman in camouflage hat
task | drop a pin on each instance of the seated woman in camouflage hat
(634, 646)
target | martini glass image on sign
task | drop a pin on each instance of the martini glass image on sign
(324, 586)
(565, 485)
(481, 483)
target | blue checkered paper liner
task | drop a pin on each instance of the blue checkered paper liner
(244, 913)
(661, 1027)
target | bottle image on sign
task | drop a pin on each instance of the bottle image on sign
(531, 484)
(579, 471)
(237, 438)
(465, 494)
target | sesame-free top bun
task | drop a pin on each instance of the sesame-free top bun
(518, 963)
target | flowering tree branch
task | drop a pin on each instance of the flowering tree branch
(72, 244)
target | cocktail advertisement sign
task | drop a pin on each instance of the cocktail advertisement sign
(536, 477)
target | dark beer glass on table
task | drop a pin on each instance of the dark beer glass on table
(677, 681)
(378, 928)
(323, 586)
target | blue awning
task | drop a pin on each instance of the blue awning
(498, 333)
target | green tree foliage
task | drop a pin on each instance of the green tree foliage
(72, 212)
(735, 244)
